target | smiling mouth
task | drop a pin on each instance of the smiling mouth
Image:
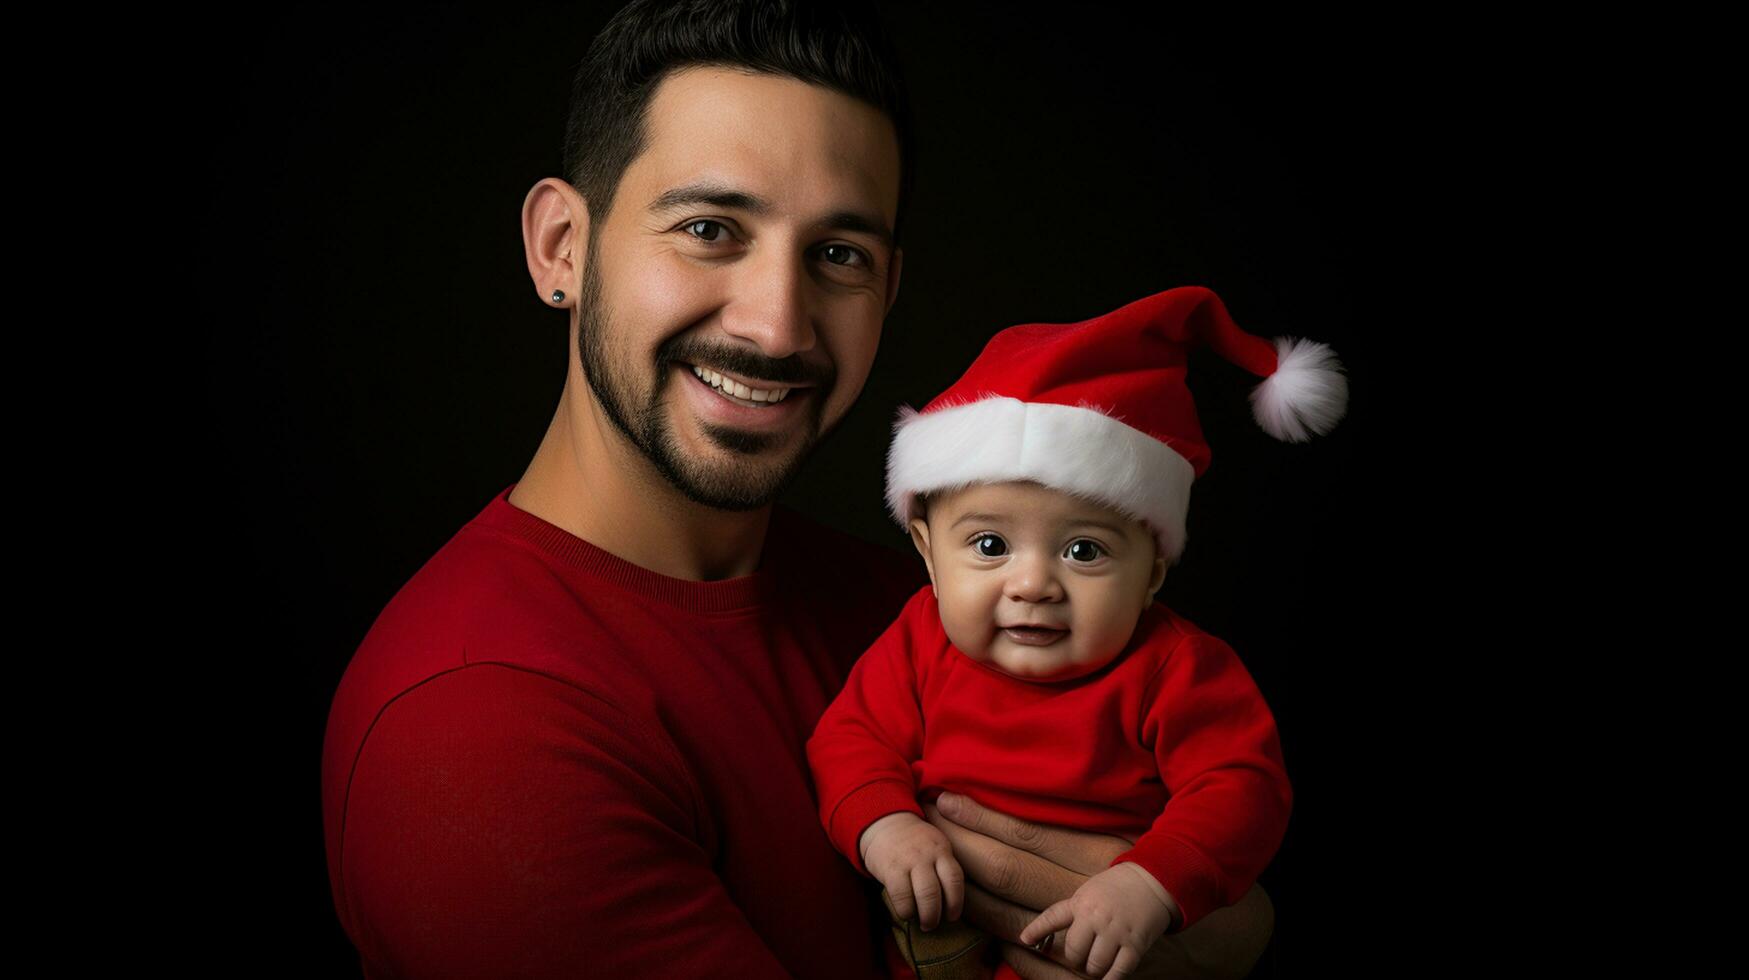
(746, 394)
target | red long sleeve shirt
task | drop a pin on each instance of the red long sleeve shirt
(546, 761)
(1171, 741)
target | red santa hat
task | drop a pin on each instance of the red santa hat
(1100, 409)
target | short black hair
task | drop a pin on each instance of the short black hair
(838, 44)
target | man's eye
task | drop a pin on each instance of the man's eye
(705, 222)
(1082, 550)
(850, 256)
(989, 545)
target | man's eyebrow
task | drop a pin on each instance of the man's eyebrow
(855, 221)
(714, 195)
(723, 196)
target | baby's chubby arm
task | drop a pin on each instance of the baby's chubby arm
(1219, 756)
(863, 747)
(1112, 920)
(914, 862)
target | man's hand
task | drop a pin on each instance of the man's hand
(1111, 920)
(914, 862)
(1015, 868)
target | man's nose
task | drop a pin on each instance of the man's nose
(1032, 577)
(772, 304)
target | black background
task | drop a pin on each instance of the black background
(377, 364)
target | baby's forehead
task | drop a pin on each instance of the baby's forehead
(1023, 501)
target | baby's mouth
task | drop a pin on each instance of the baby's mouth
(1035, 636)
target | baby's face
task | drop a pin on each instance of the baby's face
(1034, 582)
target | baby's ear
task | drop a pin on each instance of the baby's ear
(920, 538)
(1159, 573)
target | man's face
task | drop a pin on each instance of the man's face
(1008, 556)
(750, 243)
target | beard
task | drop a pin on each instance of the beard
(757, 468)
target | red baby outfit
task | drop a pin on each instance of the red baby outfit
(1171, 744)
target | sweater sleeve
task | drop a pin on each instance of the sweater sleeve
(862, 749)
(500, 822)
(1219, 756)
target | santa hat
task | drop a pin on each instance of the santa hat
(1100, 409)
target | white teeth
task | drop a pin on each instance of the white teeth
(762, 395)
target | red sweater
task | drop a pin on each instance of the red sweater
(546, 761)
(1171, 742)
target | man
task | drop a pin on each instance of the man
(572, 744)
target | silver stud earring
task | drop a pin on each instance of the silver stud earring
(558, 296)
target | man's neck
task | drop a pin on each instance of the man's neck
(586, 479)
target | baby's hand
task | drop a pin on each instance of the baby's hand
(915, 862)
(1113, 918)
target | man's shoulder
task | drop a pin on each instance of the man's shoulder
(487, 623)
(484, 597)
(478, 587)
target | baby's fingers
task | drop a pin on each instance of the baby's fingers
(928, 891)
(1056, 917)
(1100, 958)
(953, 885)
(1127, 962)
(1077, 943)
(899, 897)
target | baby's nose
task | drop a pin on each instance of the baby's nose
(1033, 581)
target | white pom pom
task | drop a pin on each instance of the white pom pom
(1307, 395)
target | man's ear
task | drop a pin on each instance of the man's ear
(555, 236)
(920, 538)
(893, 278)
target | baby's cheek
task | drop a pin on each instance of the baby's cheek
(955, 634)
(1109, 636)
(971, 634)
(973, 643)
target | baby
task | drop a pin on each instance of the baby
(1046, 491)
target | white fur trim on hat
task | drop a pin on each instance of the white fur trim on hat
(1307, 391)
(1077, 449)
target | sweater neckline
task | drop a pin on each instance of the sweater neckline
(569, 551)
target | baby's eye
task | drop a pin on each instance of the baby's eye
(989, 545)
(1082, 550)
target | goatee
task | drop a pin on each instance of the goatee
(758, 469)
